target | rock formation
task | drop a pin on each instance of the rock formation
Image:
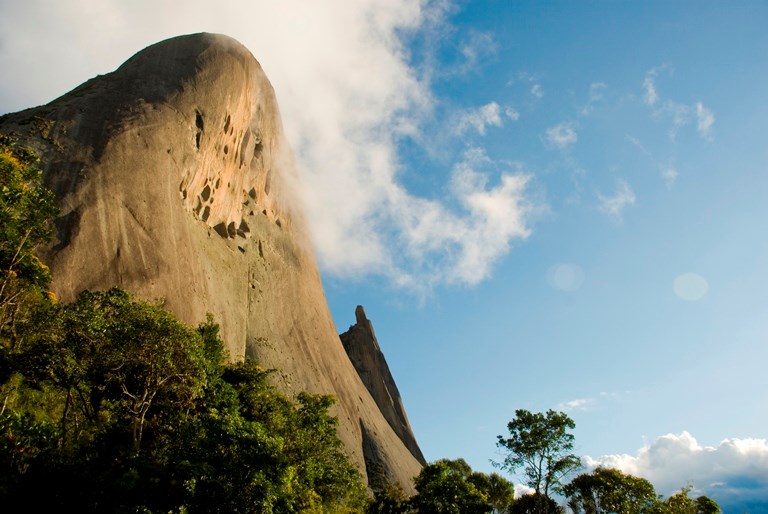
(363, 349)
(175, 181)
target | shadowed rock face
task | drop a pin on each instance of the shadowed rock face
(363, 349)
(175, 181)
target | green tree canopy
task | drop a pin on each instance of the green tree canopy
(609, 491)
(541, 445)
(444, 487)
(681, 503)
(115, 406)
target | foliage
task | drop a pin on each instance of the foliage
(681, 503)
(535, 503)
(116, 406)
(606, 491)
(448, 486)
(26, 209)
(541, 445)
(445, 487)
(499, 492)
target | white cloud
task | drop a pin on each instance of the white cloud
(669, 174)
(478, 119)
(704, 121)
(489, 115)
(467, 243)
(511, 113)
(649, 86)
(562, 135)
(678, 114)
(734, 470)
(615, 204)
(476, 47)
(347, 94)
(579, 404)
(537, 91)
(596, 95)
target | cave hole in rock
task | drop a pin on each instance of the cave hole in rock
(206, 213)
(206, 193)
(243, 229)
(252, 193)
(226, 149)
(221, 229)
(226, 123)
(199, 125)
(231, 229)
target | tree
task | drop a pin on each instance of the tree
(26, 210)
(606, 491)
(535, 503)
(681, 503)
(444, 487)
(541, 445)
(499, 492)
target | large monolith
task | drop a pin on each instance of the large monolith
(175, 181)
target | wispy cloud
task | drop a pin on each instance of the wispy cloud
(667, 171)
(679, 114)
(704, 121)
(734, 471)
(562, 135)
(596, 95)
(478, 119)
(651, 96)
(669, 174)
(475, 48)
(530, 82)
(579, 404)
(615, 204)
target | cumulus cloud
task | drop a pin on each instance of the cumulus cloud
(733, 472)
(467, 241)
(347, 95)
(615, 204)
(562, 135)
(537, 91)
(704, 121)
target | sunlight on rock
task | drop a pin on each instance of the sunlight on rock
(565, 277)
(690, 286)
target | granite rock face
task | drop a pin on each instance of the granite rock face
(175, 181)
(363, 349)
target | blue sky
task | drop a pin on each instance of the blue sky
(540, 204)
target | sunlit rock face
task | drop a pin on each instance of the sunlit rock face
(175, 181)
